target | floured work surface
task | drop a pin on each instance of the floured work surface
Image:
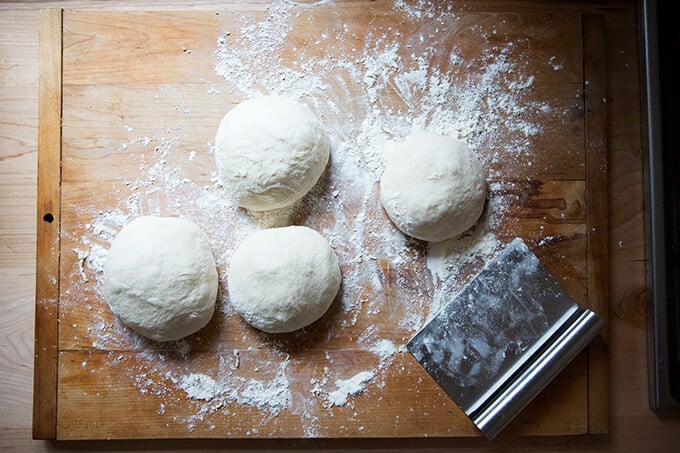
(143, 94)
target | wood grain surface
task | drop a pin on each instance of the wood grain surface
(48, 227)
(633, 426)
(597, 212)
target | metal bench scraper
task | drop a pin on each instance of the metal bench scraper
(503, 338)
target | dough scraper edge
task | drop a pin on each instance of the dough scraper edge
(503, 338)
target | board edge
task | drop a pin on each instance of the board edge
(595, 109)
(48, 225)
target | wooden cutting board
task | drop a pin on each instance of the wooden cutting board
(129, 106)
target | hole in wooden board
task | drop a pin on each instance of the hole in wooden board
(49, 218)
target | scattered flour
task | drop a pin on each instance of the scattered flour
(349, 387)
(198, 386)
(273, 395)
(384, 349)
(369, 89)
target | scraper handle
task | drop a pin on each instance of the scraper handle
(542, 368)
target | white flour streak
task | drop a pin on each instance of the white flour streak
(349, 387)
(386, 350)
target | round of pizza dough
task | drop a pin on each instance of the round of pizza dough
(282, 279)
(270, 151)
(433, 187)
(160, 277)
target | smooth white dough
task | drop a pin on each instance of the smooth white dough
(282, 279)
(433, 187)
(270, 151)
(160, 277)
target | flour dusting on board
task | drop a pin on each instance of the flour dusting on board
(369, 87)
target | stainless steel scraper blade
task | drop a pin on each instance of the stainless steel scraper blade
(503, 338)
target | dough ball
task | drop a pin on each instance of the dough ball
(282, 279)
(160, 277)
(270, 152)
(433, 187)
